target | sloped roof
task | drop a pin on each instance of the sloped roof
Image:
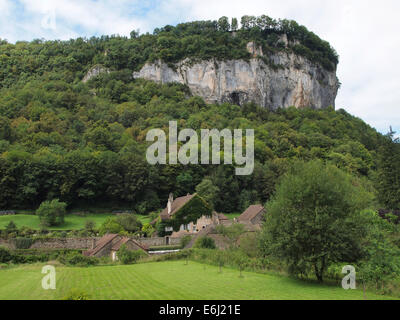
(251, 212)
(177, 204)
(101, 244)
(125, 240)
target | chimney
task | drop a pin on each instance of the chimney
(170, 200)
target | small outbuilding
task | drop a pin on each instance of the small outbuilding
(254, 215)
(109, 245)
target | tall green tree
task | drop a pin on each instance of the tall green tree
(389, 173)
(51, 213)
(312, 220)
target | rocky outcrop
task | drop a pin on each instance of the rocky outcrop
(95, 72)
(278, 80)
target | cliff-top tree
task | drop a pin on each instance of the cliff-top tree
(311, 222)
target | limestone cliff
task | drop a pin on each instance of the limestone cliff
(278, 80)
(95, 72)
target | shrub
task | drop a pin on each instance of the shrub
(5, 255)
(205, 243)
(77, 259)
(11, 227)
(23, 243)
(77, 294)
(185, 241)
(129, 222)
(129, 257)
(90, 225)
(51, 213)
(110, 225)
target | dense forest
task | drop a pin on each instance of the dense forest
(84, 143)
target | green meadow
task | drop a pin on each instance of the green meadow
(72, 222)
(166, 281)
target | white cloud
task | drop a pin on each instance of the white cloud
(363, 32)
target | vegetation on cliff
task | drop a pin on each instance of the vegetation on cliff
(84, 143)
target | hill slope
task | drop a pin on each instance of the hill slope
(84, 142)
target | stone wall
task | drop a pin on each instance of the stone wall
(158, 241)
(67, 243)
(86, 243)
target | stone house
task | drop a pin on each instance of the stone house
(174, 206)
(253, 214)
(109, 245)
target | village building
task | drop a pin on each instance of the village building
(109, 245)
(254, 214)
(190, 203)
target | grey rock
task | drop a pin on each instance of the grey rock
(289, 80)
(95, 72)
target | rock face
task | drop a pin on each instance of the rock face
(94, 72)
(288, 80)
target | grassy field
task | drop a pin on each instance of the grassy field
(165, 281)
(232, 215)
(72, 222)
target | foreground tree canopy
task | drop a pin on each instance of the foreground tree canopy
(313, 221)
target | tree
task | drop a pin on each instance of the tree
(11, 227)
(208, 191)
(110, 225)
(51, 213)
(380, 263)
(129, 222)
(312, 220)
(90, 225)
(234, 25)
(388, 183)
(148, 229)
(223, 24)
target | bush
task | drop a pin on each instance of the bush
(129, 257)
(23, 243)
(90, 225)
(76, 294)
(205, 243)
(110, 225)
(185, 241)
(5, 255)
(129, 222)
(51, 213)
(77, 259)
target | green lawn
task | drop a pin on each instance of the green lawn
(232, 216)
(165, 280)
(72, 222)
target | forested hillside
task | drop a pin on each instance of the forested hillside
(84, 143)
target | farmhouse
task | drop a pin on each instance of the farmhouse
(253, 214)
(185, 215)
(110, 244)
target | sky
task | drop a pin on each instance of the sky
(363, 32)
